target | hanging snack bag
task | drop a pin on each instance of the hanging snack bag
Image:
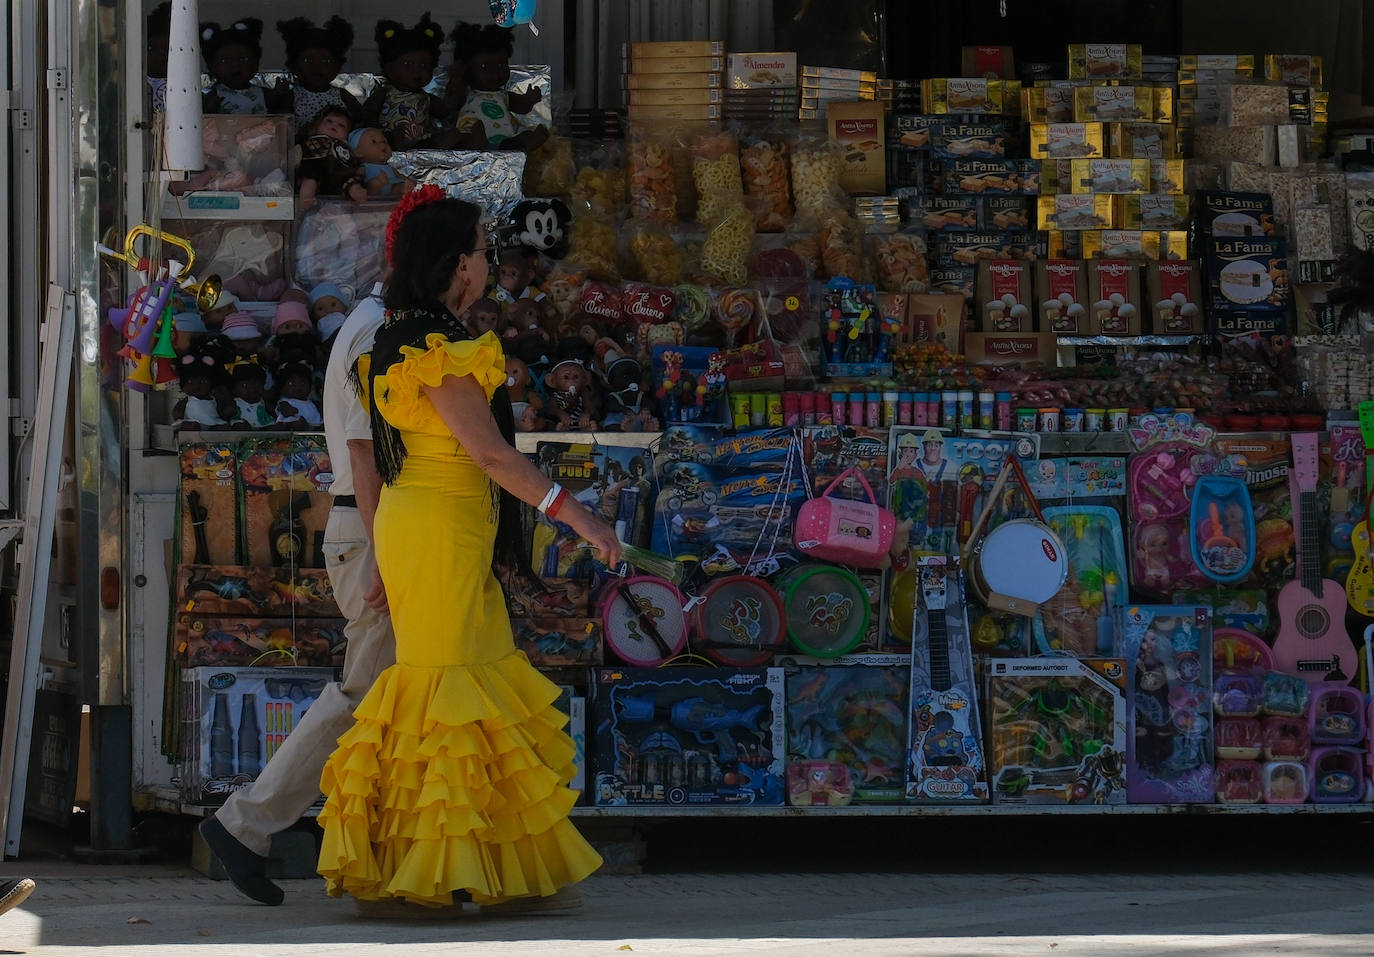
(901, 259)
(653, 190)
(763, 164)
(841, 244)
(816, 166)
(715, 173)
(728, 244)
(657, 255)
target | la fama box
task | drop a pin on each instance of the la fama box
(688, 736)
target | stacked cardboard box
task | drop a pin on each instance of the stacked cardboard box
(761, 86)
(674, 82)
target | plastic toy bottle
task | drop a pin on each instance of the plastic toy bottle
(250, 740)
(221, 738)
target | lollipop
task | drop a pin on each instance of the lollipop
(734, 310)
(693, 306)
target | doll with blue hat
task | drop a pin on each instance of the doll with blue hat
(370, 146)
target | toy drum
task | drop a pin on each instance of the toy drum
(740, 622)
(643, 621)
(827, 609)
(1018, 565)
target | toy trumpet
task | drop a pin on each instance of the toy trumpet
(206, 291)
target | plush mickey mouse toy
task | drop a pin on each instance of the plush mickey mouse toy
(541, 224)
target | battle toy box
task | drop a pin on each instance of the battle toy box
(234, 719)
(688, 736)
(854, 716)
(209, 503)
(249, 591)
(574, 705)
(1056, 730)
(1168, 650)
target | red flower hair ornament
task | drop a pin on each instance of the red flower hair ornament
(413, 200)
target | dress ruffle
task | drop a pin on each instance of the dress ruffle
(453, 778)
(398, 389)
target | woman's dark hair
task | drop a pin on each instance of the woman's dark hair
(470, 39)
(428, 243)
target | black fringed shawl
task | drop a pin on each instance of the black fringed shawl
(412, 327)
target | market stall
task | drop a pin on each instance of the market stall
(989, 441)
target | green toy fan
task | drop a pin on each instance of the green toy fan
(827, 609)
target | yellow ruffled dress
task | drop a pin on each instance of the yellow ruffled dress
(455, 776)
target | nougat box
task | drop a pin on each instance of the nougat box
(1066, 141)
(858, 129)
(1108, 176)
(1123, 104)
(1152, 211)
(937, 318)
(1105, 61)
(1114, 297)
(1004, 295)
(1061, 288)
(761, 71)
(1075, 211)
(989, 62)
(999, 348)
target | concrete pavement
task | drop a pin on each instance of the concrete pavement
(158, 911)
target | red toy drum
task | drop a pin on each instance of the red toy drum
(740, 622)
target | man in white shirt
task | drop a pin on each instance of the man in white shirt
(240, 833)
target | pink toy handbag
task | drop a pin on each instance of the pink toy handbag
(844, 531)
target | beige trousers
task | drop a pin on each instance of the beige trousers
(290, 783)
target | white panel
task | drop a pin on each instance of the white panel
(152, 524)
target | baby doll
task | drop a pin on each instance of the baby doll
(400, 105)
(328, 298)
(314, 56)
(483, 316)
(568, 384)
(522, 316)
(232, 55)
(528, 406)
(513, 278)
(200, 373)
(159, 34)
(247, 383)
(328, 167)
(214, 317)
(188, 332)
(243, 332)
(295, 410)
(370, 147)
(487, 118)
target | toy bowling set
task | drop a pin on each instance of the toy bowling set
(1056, 730)
(1168, 649)
(688, 735)
(234, 720)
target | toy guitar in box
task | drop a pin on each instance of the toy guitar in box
(1312, 641)
(945, 762)
(1359, 583)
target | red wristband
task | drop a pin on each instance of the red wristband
(558, 500)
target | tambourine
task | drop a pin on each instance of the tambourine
(740, 622)
(1017, 566)
(643, 621)
(827, 609)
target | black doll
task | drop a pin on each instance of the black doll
(400, 106)
(232, 55)
(492, 117)
(314, 56)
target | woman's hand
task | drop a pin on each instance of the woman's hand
(594, 531)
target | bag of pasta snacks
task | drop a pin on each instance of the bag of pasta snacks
(763, 165)
(653, 185)
(901, 261)
(815, 164)
(728, 245)
(715, 172)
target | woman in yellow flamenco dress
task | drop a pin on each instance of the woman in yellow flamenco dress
(455, 776)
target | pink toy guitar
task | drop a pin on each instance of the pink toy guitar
(1312, 641)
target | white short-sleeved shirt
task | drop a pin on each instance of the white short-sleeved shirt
(344, 415)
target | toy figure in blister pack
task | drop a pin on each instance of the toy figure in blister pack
(227, 587)
(852, 329)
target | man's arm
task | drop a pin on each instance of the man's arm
(367, 489)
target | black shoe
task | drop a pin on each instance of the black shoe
(14, 892)
(247, 871)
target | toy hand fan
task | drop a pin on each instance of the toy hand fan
(1223, 528)
(510, 13)
(643, 621)
(740, 622)
(827, 609)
